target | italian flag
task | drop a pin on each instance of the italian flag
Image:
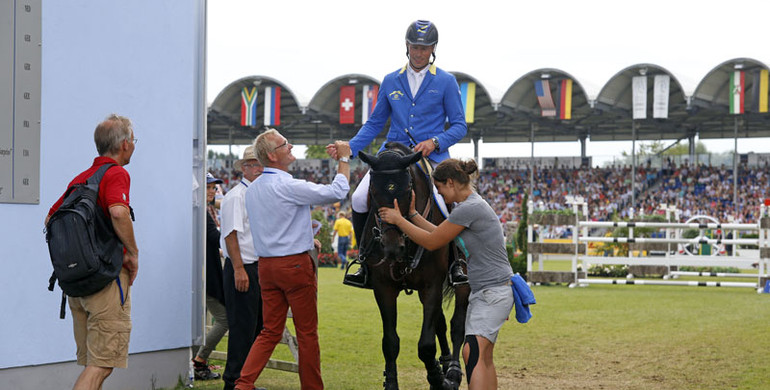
(736, 92)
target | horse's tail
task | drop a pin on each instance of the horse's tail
(448, 292)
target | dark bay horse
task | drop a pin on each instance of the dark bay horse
(396, 263)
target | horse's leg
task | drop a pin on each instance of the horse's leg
(386, 301)
(426, 346)
(457, 328)
(441, 335)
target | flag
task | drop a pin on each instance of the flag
(759, 90)
(347, 104)
(660, 96)
(544, 98)
(468, 96)
(272, 106)
(564, 99)
(368, 101)
(249, 106)
(736, 92)
(639, 97)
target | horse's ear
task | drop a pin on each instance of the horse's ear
(412, 158)
(367, 158)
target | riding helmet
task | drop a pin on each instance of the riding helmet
(422, 32)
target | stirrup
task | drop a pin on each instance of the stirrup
(461, 278)
(356, 280)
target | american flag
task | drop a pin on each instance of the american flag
(543, 92)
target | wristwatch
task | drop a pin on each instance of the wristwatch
(344, 159)
(435, 142)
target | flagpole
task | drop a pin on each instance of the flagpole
(229, 159)
(735, 169)
(633, 163)
(532, 161)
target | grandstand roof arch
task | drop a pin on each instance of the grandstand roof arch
(519, 110)
(613, 120)
(710, 102)
(483, 108)
(224, 113)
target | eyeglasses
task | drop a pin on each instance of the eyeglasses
(285, 143)
(133, 140)
(251, 165)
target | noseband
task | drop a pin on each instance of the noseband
(381, 226)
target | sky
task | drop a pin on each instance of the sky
(305, 44)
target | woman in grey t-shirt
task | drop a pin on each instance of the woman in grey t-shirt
(475, 226)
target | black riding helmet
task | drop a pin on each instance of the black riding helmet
(422, 32)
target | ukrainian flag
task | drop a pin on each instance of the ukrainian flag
(468, 94)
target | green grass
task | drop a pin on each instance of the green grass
(612, 337)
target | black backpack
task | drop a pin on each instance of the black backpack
(85, 252)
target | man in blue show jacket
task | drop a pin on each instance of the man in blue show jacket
(425, 109)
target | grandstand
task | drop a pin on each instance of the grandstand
(694, 184)
(517, 116)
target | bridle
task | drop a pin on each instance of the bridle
(381, 227)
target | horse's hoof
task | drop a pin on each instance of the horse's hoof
(453, 376)
(450, 385)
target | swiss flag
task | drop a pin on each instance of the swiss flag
(347, 104)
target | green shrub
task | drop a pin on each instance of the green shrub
(521, 231)
(518, 263)
(325, 235)
(727, 270)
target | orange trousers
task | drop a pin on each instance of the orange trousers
(287, 281)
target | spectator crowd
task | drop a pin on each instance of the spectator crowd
(693, 189)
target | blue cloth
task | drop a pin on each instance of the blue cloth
(522, 298)
(278, 207)
(438, 101)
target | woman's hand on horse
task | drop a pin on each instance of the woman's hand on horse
(391, 215)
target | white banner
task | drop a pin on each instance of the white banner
(639, 97)
(660, 96)
(518, 163)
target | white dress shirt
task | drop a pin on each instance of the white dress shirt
(279, 205)
(415, 78)
(233, 215)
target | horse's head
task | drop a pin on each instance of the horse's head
(390, 180)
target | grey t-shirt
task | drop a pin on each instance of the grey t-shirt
(483, 239)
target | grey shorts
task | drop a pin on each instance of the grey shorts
(488, 309)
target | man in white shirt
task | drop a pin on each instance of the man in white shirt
(279, 207)
(241, 278)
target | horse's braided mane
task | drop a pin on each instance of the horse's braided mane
(397, 147)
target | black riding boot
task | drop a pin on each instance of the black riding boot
(358, 279)
(456, 274)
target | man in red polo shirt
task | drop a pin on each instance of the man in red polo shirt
(102, 321)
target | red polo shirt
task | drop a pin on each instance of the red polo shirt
(113, 189)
